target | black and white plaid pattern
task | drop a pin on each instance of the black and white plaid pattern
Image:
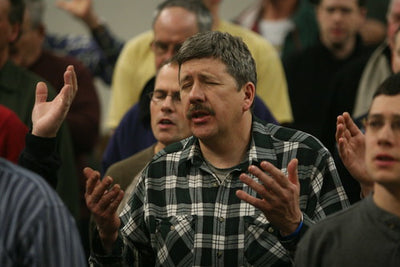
(181, 215)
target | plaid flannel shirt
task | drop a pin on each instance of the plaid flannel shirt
(182, 215)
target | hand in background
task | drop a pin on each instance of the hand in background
(81, 9)
(47, 116)
(351, 146)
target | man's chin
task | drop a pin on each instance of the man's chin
(338, 45)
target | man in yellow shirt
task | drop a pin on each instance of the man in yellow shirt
(135, 65)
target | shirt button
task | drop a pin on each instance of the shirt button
(221, 219)
(172, 228)
(270, 230)
(219, 254)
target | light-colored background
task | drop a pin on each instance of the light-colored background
(126, 18)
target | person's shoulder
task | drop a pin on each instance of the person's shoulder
(141, 41)
(174, 149)
(138, 50)
(18, 78)
(20, 74)
(9, 121)
(146, 153)
(249, 37)
(281, 134)
(6, 113)
(27, 183)
(339, 220)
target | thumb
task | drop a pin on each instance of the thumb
(41, 93)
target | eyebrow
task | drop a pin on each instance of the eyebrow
(380, 116)
(185, 78)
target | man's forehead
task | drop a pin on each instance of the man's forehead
(175, 18)
(167, 74)
(385, 104)
(207, 65)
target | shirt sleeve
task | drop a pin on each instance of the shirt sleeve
(40, 157)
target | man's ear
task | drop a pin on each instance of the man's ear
(249, 90)
(42, 31)
(15, 32)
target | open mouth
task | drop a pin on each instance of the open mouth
(384, 158)
(198, 114)
(166, 122)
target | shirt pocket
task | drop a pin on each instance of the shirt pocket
(174, 239)
(261, 244)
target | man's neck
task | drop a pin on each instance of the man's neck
(388, 200)
(278, 9)
(159, 146)
(228, 150)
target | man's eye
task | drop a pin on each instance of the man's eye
(211, 83)
(161, 46)
(159, 95)
(396, 125)
(176, 97)
(185, 86)
(375, 124)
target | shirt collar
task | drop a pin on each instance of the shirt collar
(261, 147)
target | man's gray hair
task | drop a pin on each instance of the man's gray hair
(203, 15)
(232, 51)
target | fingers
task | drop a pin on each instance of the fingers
(259, 188)
(41, 93)
(350, 125)
(340, 128)
(256, 202)
(269, 187)
(279, 179)
(292, 172)
(111, 199)
(70, 78)
(92, 179)
(99, 196)
(68, 92)
(73, 78)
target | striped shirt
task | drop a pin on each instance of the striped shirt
(36, 228)
(181, 215)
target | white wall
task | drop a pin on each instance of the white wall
(126, 18)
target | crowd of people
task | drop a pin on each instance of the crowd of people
(269, 140)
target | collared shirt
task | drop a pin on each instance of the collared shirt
(181, 215)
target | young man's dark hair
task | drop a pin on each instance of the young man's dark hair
(391, 86)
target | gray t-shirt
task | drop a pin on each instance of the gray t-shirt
(363, 235)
